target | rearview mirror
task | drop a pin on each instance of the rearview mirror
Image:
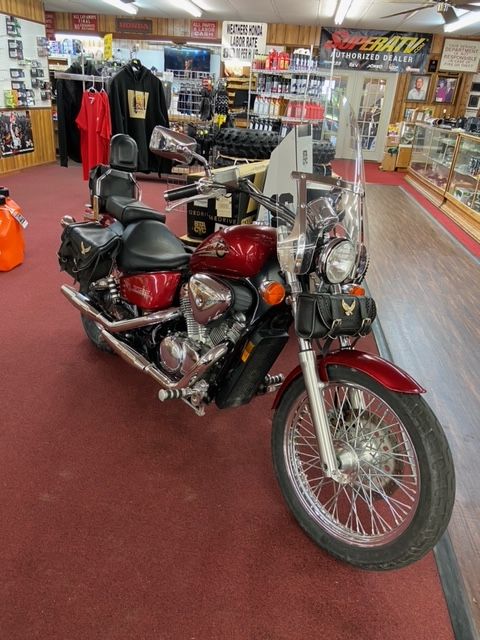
(172, 144)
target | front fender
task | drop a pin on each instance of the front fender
(380, 370)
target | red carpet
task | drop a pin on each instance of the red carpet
(123, 518)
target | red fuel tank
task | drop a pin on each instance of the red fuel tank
(150, 291)
(239, 251)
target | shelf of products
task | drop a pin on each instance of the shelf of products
(445, 167)
(291, 88)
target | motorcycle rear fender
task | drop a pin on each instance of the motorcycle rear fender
(385, 373)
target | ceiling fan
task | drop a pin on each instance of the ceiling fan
(445, 9)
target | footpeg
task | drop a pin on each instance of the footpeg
(193, 396)
(174, 394)
(271, 384)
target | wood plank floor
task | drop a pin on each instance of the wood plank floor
(427, 291)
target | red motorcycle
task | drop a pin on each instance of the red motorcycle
(360, 458)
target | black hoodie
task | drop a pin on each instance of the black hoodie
(137, 105)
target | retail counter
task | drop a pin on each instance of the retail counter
(445, 167)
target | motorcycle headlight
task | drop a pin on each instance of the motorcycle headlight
(337, 260)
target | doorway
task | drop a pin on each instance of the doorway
(371, 96)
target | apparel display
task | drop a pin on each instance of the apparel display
(93, 121)
(69, 101)
(137, 105)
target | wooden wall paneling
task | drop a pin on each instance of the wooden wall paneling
(292, 34)
(63, 22)
(43, 140)
(275, 34)
(28, 9)
(398, 103)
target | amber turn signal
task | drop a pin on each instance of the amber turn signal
(272, 292)
(356, 291)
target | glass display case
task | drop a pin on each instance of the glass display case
(464, 185)
(432, 155)
(445, 167)
(407, 133)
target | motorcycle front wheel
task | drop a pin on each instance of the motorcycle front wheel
(398, 485)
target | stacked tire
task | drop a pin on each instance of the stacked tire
(246, 143)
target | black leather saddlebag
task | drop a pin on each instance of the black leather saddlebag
(87, 251)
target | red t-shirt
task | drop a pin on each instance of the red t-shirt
(93, 120)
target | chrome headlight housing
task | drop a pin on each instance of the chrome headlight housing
(337, 260)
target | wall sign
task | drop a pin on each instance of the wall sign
(84, 22)
(126, 25)
(460, 55)
(50, 25)
(241, 40)
(368, 50)
(108, 46)
(203, 29)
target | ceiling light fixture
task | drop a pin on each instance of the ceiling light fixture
(128, 8)
(189, 7)
(78, 36)
(465, 21)
(342, 10)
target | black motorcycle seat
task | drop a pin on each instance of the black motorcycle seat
(127, 210)
(148, 245)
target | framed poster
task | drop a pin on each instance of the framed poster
(445, 89)
(15, 133)
(418, 88)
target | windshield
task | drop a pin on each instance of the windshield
(317, 172)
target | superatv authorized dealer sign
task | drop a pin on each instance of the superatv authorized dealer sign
(368, 50)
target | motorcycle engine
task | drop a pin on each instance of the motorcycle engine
(214, 313)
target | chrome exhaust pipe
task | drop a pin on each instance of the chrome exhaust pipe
(81, 302)
(139, 362)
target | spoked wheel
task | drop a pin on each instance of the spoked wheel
(396, 493)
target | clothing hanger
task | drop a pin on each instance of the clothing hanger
(136, 64)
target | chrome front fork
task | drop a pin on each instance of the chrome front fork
(321, 424)
(314, 387)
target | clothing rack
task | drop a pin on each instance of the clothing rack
(187, 93)
(62, 75)
(81, 77)
(190, 75)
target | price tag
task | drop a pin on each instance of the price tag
(23, 222)
(224, 207)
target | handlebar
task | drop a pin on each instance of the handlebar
(186, 191)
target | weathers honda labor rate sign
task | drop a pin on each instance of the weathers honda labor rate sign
(242, 40)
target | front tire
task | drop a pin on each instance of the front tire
(399, 481)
